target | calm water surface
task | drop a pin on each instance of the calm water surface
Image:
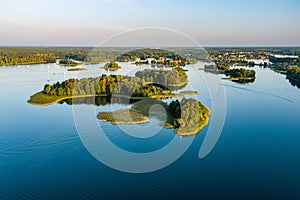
(257, 155)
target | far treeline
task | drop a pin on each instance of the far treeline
(232, 56)
(41, 55)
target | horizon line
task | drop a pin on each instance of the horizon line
(141, 46)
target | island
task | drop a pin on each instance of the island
(112, 66)
(186, 117)
(147, 83)
(239, 75)
(68, 62)
(76, 69)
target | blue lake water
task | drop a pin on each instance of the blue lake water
(256, 157)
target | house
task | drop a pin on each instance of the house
(161, 60)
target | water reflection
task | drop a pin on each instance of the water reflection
(293, 82)
(244, 81)
(99, 100)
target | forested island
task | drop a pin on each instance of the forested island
(112, 66)
(186, 117)
(68, 62)
(240, 75)
(108, 85)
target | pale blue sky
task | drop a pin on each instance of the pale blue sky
(210, 22)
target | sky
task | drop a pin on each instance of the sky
(95, 22)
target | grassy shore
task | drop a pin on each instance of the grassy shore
(41, 99)
(123, 116)
(238, 78)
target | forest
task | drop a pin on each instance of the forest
(240, 73)
(68, 62)
(136, 86)
(112, 66)
(40, 55)
(282, 64)
(225, 68)
(105, 84)
(174, 77)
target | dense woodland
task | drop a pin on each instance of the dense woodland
(174, 77)
(136, 86)
(282, 64)
(224, 68)
(68, 62)
(189, 115)
(104, 85)
(112, 66)
(240, 73)
(38, 55)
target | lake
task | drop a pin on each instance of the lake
(42, 156)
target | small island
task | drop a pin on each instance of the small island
(112, 66)
(69, 62)
(76, 69)
(240, 75)
(187, 117)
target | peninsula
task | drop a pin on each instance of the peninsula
(187, 117)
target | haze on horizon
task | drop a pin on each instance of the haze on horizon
(210, 23)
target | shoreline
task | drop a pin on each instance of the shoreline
(193, 132)
(238, 78)
(57, 99)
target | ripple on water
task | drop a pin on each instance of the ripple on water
(25, 155)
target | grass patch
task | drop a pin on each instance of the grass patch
(123, 116)
(42, 99)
